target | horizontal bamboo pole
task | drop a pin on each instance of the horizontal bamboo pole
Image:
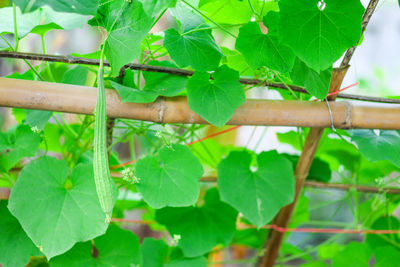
(81, 99)
(180, 72)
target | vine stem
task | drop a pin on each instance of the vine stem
(15, 26)
(275, 239)
(177, 72)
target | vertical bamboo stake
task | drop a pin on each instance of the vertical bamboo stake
(275, 238)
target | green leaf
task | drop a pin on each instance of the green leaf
(263, 191)
(15, 245)
(195, 48)
(186, 17)
(87, 7)
(215, 100)
(375, 147)
(254, 238)
(70, 206)
(153, 7)
(37, 118)
(127, 25)
(354, 254)
(386, 256)
(171, 178)
(320, 171)
(16, 145)
(117, 247)
(319, 37)
(154, 252)
(162, 83)
(200, 228)
(264, 49)
(228, 11)
(76, 76)
(40, 21)
(315, 83)
(236, 61)
(134, 95)
(157, 84)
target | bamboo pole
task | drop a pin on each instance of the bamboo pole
(82, 100)
(275, 239)
(179, 72)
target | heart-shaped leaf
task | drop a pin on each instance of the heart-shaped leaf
(257, 193)
(15, 246)
(265, 49)
(127, 25)
(374, 147)
(320, 31)
(171, 178)
(116, 248)
(200, 228)
(215, 100)
(54, 211)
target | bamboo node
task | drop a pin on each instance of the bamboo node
(161, 109)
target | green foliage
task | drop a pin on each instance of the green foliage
(127, 25)
(375, 147)
(265, 187)
(40, 21)
(215, 99)
(200, 228)
(116, 247)
(15, 245)
(88, 7)
(265, 49)
(327, 32)
(69, 204)
(171, 178)
(315, 83)
(17, 144)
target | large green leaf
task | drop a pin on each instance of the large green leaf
(87, 7)
(127, 25)
(265, 49)
(15, 245)
(200, 228)
(374, 147)
(171, 178)
(117, 247)
(40, 21)
(257, 192)
(63, 210)
(319, 36)
(315, 83)
(196, 49)
(153, 7)
(215, 100)
(16, 145)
